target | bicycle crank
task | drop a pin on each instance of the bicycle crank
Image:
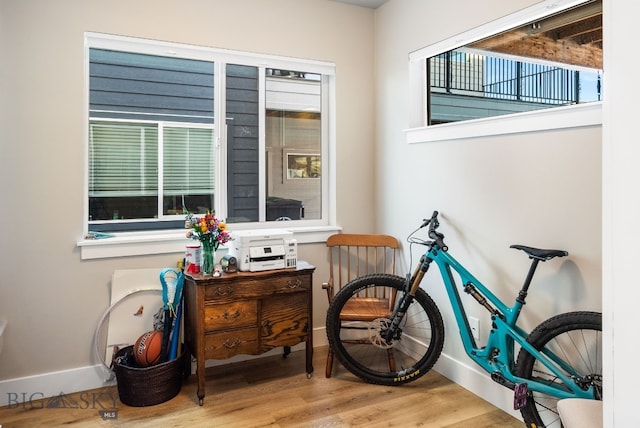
(520, 390)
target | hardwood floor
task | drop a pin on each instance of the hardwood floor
(275, 392)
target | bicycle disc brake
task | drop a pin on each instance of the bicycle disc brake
(376, 327)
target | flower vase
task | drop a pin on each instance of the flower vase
(208, 259)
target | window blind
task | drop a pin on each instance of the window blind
(188, 166)
(123, 159)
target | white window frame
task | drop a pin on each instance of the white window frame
(588, 114)
(173, 241)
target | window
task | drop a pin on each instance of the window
(293, 124)
(540, 58)
(175, 128)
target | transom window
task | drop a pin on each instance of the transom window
(545, 57)
(175, 128)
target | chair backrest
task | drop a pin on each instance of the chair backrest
(354, 255)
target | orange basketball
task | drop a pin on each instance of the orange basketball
(148, 348)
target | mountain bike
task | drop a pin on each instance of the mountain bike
(560, 358)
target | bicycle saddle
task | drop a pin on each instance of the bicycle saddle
(539, 253)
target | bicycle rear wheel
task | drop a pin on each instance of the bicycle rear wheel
(359, 345)
(576, 338)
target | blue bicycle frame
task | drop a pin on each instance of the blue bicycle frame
(497, 357)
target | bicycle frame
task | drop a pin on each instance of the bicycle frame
(498, 354)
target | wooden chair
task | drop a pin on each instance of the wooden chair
(354, 255)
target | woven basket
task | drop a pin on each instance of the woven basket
(140, 387)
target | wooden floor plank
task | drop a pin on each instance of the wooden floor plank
(274, 392)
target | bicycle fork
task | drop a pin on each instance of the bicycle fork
(412, 283)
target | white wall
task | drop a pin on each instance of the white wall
(51, 299)
(539, 189)
(621, 211)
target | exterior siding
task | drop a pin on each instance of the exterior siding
(145, 87)
(243, 182)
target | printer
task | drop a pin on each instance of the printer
(266, 249)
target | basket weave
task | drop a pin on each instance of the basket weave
(139, 387)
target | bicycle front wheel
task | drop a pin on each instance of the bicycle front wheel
(358, 318)
(576, 339)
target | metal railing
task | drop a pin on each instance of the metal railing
(464, 73)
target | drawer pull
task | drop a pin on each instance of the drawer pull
(294, 283)
(224, 291)
(231, 316)
(229, 345)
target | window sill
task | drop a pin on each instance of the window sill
(168, 242)
(540, 120)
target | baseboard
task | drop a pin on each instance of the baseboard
(22, 392)
(477, 382)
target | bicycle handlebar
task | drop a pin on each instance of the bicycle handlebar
(438, 238)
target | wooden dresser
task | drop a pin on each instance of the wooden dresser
(247, 313)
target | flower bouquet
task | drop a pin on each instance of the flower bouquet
(211, 232)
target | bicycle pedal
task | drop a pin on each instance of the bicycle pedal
(520, 394)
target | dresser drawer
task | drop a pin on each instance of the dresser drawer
(227, 344)
(256, 287)
(234, 314)
(284, 321)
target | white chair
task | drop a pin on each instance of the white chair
(580, 413)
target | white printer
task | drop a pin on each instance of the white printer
(266, 249)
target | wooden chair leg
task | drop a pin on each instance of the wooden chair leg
(392, 360)
(329, 367)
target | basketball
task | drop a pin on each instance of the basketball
(148, 348)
